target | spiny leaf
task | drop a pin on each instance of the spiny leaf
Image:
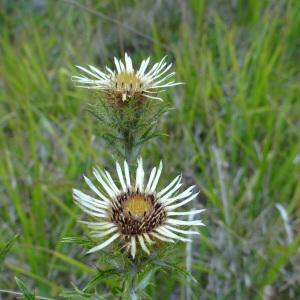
(76, 294)
(174, 267)
(146, 279)
(100, 276)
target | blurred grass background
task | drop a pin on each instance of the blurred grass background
(234, 133)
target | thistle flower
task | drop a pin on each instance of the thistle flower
(135, 213)
(125, 83)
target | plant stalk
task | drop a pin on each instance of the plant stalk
(128, 145)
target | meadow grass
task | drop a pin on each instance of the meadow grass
(234, 133)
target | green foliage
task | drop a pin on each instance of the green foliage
(234, 133)
(129, 278)
(27, 295)
(6, 248)
(128, 126)
(77, 240)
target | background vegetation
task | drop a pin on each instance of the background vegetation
(234, 133)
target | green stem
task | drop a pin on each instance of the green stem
(129, 287)
(129, 131)
(133, 287)
(128, 145)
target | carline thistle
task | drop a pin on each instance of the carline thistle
(135, 212)
(125, 83)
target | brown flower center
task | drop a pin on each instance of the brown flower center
(137, 213)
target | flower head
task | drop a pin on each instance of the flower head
(125, 83)
(136, 213)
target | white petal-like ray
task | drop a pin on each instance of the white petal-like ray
(156, 68)
(93, 188)
(185, 213)
(143, 67)
(117, 65)
(104, 244)
(122, 66)
(83, 79)
(133, 246)
(182, 195)
(157, 176)
(150, 77)
(127, 175)
(98, 176)
(104, 233)
(89, 72)
(90, 212)
(153, 92)
(172, 207)
(167, 233)
(169, 84)
(81, 197)
(162, 238)
(143, 245)
(96, 87)
(111, 182)
(97, 225)
(157, 76)
(180, 230)
(97, 71)
(128, 63)
(120, 175)
(147, 238)
(152, 174)
(171, 192)
(91, 207)
(159, 68)
(180, 222)
(112, 73)
(102, 223)
(166, 189)
(140, 175)
(153, 97)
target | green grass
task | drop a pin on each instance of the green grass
(234, 133)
